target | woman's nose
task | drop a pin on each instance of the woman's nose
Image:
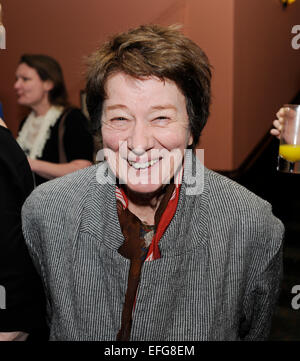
(17, 84)
(140, 139)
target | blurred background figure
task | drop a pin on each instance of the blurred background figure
(54, 135)
(24, 311)
(2, 32)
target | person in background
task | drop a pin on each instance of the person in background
(150, 245)
(54, 135)
(2, 32)
(22, 309)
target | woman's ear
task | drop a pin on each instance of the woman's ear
(48, 85)
(190, 142)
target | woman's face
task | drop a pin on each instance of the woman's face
(31, 89)
(145, 130)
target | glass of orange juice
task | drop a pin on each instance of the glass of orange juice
(289, 148)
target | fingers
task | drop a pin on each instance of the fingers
(280, 115)
(275, 132)
(278, 124)
(284, 114)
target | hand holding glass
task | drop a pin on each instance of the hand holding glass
(289, 149)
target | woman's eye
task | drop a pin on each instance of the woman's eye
(118, 121)
(161, 120)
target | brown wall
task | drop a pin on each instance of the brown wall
(247, 42)
(266, 69)
(210, 24)
(67, 30)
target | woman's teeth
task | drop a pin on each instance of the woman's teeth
(138, 165)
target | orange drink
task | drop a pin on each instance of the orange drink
(290, 152)
(289, 149)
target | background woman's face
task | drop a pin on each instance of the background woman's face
(145, 130)
(31, 89)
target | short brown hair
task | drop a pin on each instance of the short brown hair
(48, 69)
(152, 50)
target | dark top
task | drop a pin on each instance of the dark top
(77, 140)
(23, 308)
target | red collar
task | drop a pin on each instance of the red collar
(154, 252)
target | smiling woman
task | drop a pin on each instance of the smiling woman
(139, 251)
(144, 123)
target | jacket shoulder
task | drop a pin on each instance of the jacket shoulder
(64, 190)
(228, 192)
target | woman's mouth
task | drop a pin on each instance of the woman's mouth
(143, 165)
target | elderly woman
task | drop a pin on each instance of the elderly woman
(149, 244)
(54, 135)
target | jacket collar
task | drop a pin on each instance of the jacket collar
(101, 209)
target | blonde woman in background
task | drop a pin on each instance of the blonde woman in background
(54, 135)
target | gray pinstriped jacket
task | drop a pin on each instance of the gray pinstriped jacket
(218, 278)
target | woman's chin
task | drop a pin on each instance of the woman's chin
(23, 102)
(20, 102)
(144, 188)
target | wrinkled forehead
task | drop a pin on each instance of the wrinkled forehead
(123, 87)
